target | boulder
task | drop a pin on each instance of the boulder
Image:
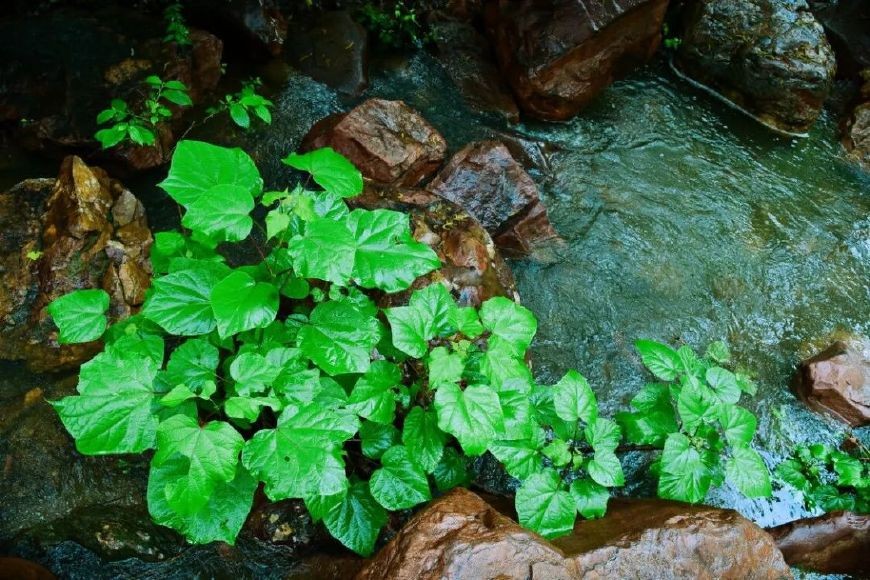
(18, 569)
(487, 182)
(472, 267)
(847, 27)
(767, 57)
(331, 48)
(837, 381)
(558, 55)
(82, 230)
(388, 141)
(835, 543)
(260, 24)
(856, 134)
(460, 536)
(467, 58)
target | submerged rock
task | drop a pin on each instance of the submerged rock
(558, 55)
(487, 182)
(388, 141)
(82, 230)
(460, 536)
(768, 57)
(837, 381)
(835, 543)
(331, 48)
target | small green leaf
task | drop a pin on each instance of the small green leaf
(791, 471)
(339, 338)
(849, 469)
(423, 439)
(373, 396)
(574, 399)
(660, 359)
(746, 471)
(603, 435)
(521, 458)
(474, 416)
(240, 116)
(718, 352)
(444, 367)
(590, 498)
(738, 424)
(544, 506)
(452, 471)
(696, 404)
(558, 452)
(401, 483)
(376, 438)
(724, 385)
(253, 373)
(357, 519)
(192, 364)
(241, 303)
(80, 315)
(509, 322)
(605, 469)
(330, 170)
(466, 321)
(684, 476)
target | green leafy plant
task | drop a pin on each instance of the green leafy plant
(286, 372)
(176, 29)
(139, 124)
(395, 24)
(692, 413)
(245, 103)
(828, 478)
(670, 42)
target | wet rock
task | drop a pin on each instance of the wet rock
(557, 55)
(461, 536)
(835, 543)
(769, 57)
(847, 27)
(82, 230)
(472, 267)
(856, 134)
(18, 569)
(285, 522)
(837, 381)
(331, 48)
(259, 23)
(487, 182)
(388, 141)
(466, 56)
(52, 94)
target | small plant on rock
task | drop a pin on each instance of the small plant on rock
(245, 103)
(828, 478)
(139, 124)
(176, 29)
(692, 413)
(395, 24)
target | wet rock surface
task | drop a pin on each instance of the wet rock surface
(856, 135)
(461, 536)
(487, 182)
(835, 543)
(558, 55)
(331, 48)
(837, 381)
(779, 67)
(388, 141)
(847, 27)
(82, 230)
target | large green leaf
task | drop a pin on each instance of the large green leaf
(241, 303)
(325, 251)
(474, 416)
(80, 315)
(115, 409)
(180, 302)
(197, 167)
(387, 257)
(400, 483)
(574, 399)
(509, 322)
(212, 452)
(373, 396)
(543, 505)
(192, 364)
(339, 338)
(590, 498)
(357, 519)
(423, 439)
(746, 471)
(221, 212)
(330, 170)
(660, 359)
(219, 519)
(684, 476)
(302, 456)
(737, 423)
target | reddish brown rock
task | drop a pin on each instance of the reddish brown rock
(459, 536)
(472, 267)
(82, 230)
(558, 55)
(485, 180)
(837, 381)
(388, 141)
(835, 543)
(18, 569)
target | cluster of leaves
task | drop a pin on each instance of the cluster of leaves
(693, 415)
(139, 124)
(286, 372)
(243, 104)
(670, 42)
(829, 478)
(394, 24)
(176, 29)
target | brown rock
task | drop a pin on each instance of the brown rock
(472, 267)
(388, 141)
(856, 134)
(837, 381)
(485, 180)
(460, 536)
(92, 233)
(558, 55)
(835, 543)
(18, 569)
